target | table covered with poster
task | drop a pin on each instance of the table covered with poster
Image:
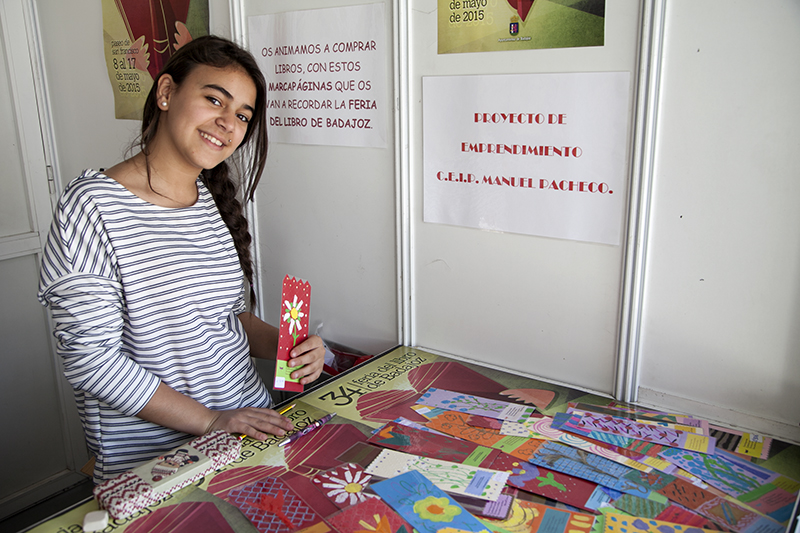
(428, 443)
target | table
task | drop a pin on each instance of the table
(364, 399)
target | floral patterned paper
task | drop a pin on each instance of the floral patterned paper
(344, 484)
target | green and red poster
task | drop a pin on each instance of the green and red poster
(496, 25)
(139, 37)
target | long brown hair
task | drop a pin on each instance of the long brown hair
(251, 155)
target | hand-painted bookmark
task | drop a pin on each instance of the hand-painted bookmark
(425, 506)
(293, 330)
(475, 405)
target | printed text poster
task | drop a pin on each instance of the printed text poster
(326, 75)
(491, 25)
(538, 154)
(138, 39)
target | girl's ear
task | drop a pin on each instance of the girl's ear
(166, 86)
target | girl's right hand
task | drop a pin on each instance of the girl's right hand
(251, 421)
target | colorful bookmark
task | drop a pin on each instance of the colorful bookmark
(515, 451)
(539, 518)
(749, 444)
(653, 418)
(547, 483)
(435, 446)
(627, 446)
(540, 428)
(618, 523)
(293, 330)
(425, 506)
(451, 477)
(475, 405)
(579, 463)
(763, 490)
(549, 454)
(679, 515)
(584, 424)
(456, 424)
(650, 507)
(725, 512)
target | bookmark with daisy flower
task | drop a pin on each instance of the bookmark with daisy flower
(293, 330)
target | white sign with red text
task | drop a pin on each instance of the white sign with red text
(539, 154)
(326, 75)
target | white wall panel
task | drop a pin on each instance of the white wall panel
(542, 306)
(326, 214)
(722, 299)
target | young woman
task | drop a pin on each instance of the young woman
(143, 271)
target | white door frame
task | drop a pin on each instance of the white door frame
(27, 84)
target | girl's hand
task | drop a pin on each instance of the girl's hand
(311, 354)
(251, 421)
(170, 408)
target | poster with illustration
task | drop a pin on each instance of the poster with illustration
(495, 25)
(139, 38)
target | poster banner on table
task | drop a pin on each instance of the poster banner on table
(326, 75)
(537, 154)
(138, 40)
(491, 25)
(364, 398)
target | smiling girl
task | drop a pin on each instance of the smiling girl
(144, 264)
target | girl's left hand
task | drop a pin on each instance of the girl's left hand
(311, 355)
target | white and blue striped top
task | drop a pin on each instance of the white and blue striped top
(140, 294)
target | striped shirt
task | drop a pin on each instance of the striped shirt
(142, 294)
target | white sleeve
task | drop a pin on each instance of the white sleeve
(78, 282)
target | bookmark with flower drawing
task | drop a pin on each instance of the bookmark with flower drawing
(293, 330)
(426, 507)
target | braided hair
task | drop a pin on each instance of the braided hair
(251, 155)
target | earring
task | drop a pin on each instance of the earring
(164, 104)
